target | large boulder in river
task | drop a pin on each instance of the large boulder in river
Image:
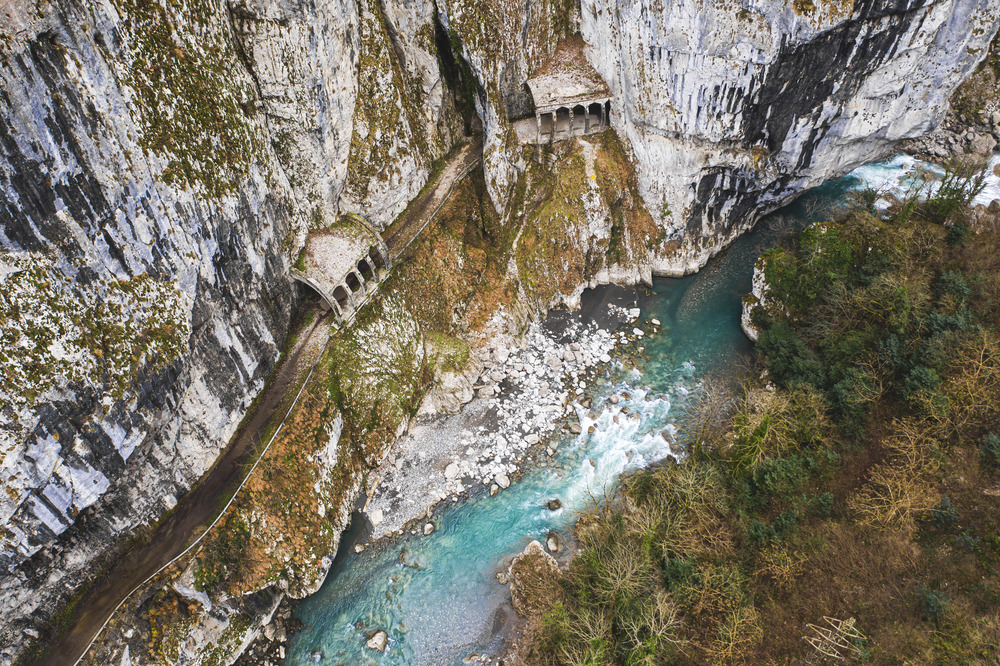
(534, 581)
(378, 641)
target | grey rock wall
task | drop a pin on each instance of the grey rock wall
(732, 109)
(143, 307)
(161, 165)
(729, 113)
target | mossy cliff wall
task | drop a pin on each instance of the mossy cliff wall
(464, 294)
(144, 291)
(162, 160)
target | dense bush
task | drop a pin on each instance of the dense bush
(881, 392)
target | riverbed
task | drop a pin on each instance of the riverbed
(437, 595)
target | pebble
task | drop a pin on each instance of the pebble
(359, 548)
(428, 529)
(541, 370)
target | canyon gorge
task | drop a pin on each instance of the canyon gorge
(167, 163)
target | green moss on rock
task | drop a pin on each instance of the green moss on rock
(192, 99)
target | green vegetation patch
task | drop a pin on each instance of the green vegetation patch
(191, 96)
(970, 99)
(387, 111)
(838, 500)
(54, 334)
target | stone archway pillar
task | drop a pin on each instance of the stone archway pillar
(601, 116)
(538, 128)
(586, 119)
(570, 120)
(351, 305)
(552, 130)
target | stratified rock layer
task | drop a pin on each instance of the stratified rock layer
(729, 110)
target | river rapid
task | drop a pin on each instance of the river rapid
(438, 596)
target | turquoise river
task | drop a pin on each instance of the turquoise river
(450, 604)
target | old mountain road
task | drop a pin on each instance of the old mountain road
(179, 532)
(423, 209)
(197, 508)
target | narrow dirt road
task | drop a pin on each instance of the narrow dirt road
(195, 509)
(422, 209)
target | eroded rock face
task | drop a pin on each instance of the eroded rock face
(730, 111)
(149, 257)
(161, 165)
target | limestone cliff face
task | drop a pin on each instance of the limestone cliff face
(730, 109)
(145, 291)
(160, 164)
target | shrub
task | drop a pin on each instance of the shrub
(866, 199)
(954, 284)
(967, 541)
(898, 490)
(962, 182)
(933, 603)
(789, 360)
(820, 505)
(780, 564)
(944, 513)
(958, 234)
(920, 378)
(989, 450)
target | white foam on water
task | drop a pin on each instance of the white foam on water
(904, 174)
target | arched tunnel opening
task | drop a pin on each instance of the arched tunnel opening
(375, 258)
(365, 270)
(341, 296)
(306, 296)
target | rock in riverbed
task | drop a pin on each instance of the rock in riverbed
(378, 641)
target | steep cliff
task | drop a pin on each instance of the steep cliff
(730, 109)
(161, 163)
